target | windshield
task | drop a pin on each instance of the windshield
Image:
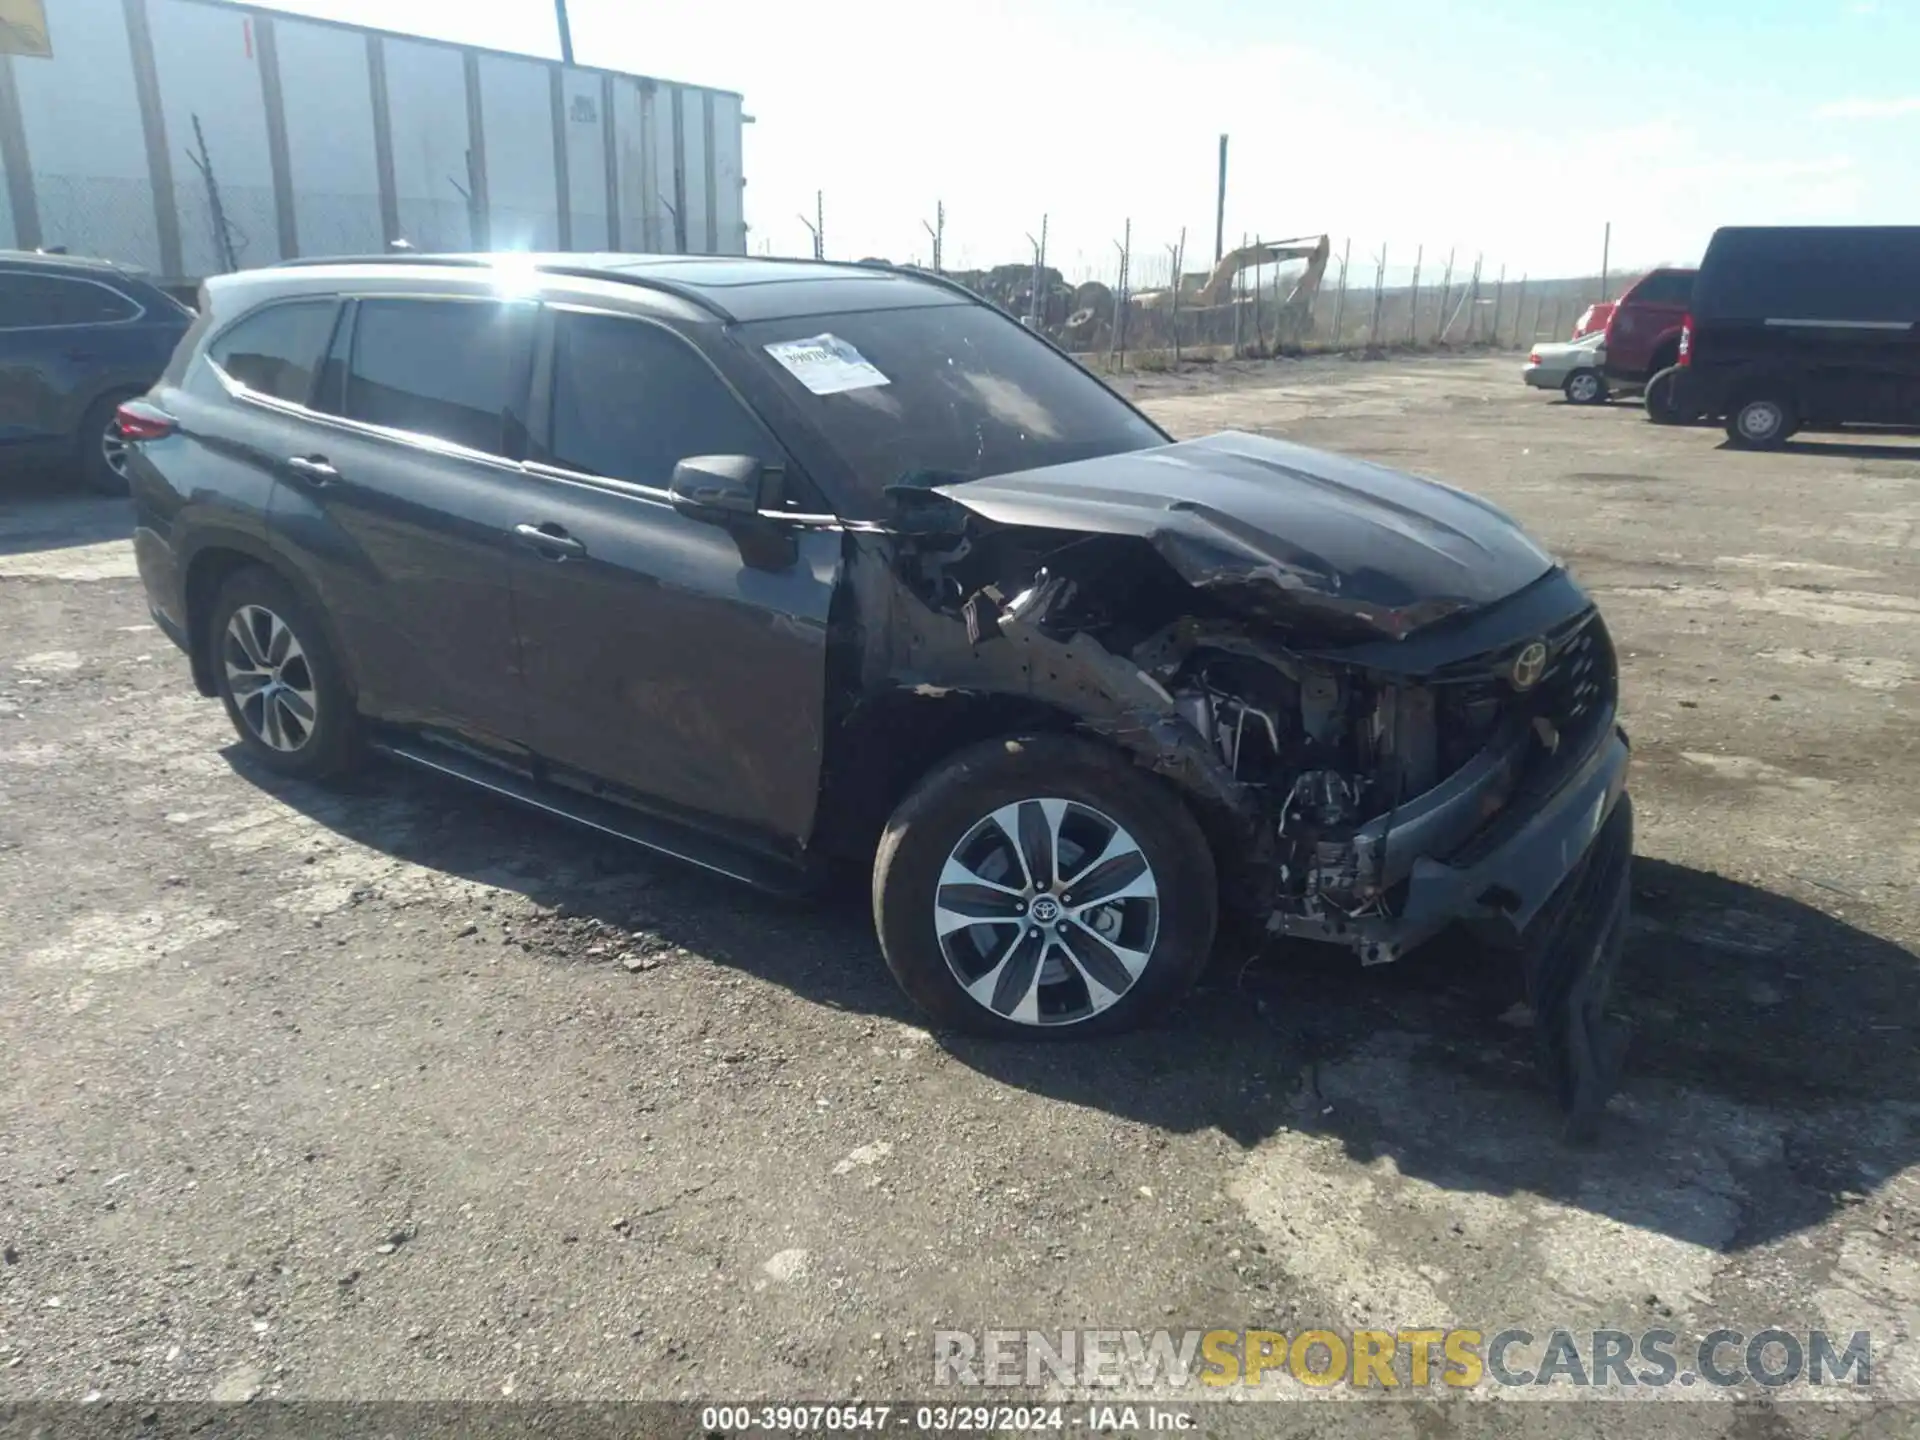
(940, 394)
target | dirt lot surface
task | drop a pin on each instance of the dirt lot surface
(400, 1092)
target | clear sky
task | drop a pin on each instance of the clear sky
(1513, 127)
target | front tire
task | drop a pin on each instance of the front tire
(1044, 887)
(277, 677)
(1585, 387)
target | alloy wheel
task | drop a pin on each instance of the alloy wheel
(1047, 911)
(270, 678)
(1583, 389)
(113, 447)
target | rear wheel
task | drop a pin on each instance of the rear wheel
(1663, 396)
(1585, 387)
(278, 678)
(1044, 887)
(1762, 421)
(100, 452)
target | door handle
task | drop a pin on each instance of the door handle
(312, 469)
(550, 540)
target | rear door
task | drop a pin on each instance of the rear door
(658, 657)
(400, 496)
(65, 340)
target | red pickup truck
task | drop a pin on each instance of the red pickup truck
(1643, 333)
(1593, 318)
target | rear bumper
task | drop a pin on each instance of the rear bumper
(1542, 378)
(1501, 880)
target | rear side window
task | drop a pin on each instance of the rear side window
(631, 400)
(1663, 287)
(29, 301)
(275, 351)
(442, 368)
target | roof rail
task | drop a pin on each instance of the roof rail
(641, 278)
(545, 267)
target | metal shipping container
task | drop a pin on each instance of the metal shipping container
(194, 136)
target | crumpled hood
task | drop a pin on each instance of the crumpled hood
(1283, 531)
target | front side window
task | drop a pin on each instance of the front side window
(446, 369)
(631, 400)
(940, 394)
(29, 301)
(275, 351)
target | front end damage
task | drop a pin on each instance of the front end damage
(1378, 754)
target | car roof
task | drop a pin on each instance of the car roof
(58, 264)
(694, 287)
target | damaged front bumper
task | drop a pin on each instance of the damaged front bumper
(1447, 863)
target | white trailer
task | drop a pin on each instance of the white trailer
(196, 136)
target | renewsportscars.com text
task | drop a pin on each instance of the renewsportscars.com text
(1410, 1359)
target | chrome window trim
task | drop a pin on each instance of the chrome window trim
(139, 309)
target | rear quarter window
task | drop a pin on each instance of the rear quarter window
(276, 351)
(32, 301)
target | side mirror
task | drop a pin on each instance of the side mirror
(722, 489)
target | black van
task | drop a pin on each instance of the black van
(1805, 326)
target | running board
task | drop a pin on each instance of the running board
(660, 836)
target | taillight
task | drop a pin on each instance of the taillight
(140, 420)
(1534, 358)
(1686, 340)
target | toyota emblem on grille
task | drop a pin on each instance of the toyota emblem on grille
(1528, 666)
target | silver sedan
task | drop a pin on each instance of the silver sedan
(1573, 368)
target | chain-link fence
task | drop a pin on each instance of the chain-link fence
(1154, 298)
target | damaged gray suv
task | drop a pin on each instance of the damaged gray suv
(775, 566)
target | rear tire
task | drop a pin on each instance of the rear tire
(99, 452)
(277, 676)
(1662, 398)
(1585, 387)
(1047, 961)
(1763, 420)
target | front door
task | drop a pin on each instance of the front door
(657, 657)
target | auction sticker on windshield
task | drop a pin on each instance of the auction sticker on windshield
(826, 364)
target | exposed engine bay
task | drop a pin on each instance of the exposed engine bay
(1326, 754)
(1389, 709)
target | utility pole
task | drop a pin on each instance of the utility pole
(566, 32)
(1606, 254)
(1220, 207)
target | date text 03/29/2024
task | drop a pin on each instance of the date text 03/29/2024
(942, 1419)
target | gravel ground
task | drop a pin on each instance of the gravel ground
(399, 1092)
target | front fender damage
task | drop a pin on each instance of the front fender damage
(978, 643)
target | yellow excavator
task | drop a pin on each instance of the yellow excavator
(1206, 291)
